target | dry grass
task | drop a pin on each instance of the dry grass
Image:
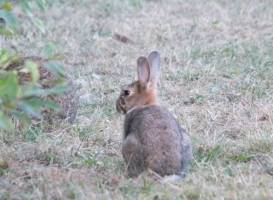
(217, 80)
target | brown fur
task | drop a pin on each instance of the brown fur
(139, 97)
(152, 137)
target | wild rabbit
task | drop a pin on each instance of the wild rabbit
(153, 139)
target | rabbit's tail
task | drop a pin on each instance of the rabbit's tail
(175, 177)
(181, 175)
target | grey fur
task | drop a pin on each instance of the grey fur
(154, 139)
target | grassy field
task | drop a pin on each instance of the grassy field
(217, 63)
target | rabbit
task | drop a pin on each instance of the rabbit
(153, 139)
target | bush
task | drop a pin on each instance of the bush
(26, 83)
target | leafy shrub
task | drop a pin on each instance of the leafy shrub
(26, 82)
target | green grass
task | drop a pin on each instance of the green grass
(217, 69)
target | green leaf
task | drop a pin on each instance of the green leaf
(29, 91)
(6, 6)
(4, 58)
(21, 116)
(49, 50)
(9, 87)
(56, 68)
(5, 122)
(9, 18)
(32, 107)
(57, 90)
(51, 104)
(34, 71)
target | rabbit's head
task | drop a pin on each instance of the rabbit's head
(142, 92)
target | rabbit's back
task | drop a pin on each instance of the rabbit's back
(160, 137)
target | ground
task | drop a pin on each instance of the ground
(217, 69)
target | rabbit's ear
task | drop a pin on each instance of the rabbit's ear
(154, 63)
(143, 70)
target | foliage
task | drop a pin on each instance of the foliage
(23, 100)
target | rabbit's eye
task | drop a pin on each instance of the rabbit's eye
(126, 92)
